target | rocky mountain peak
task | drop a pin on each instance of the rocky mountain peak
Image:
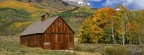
(78, 2)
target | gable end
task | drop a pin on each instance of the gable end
(59, 26)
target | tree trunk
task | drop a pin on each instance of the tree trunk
(126, 27)
(112, 30)
(123, 33)
(139, 37)
(123, 37)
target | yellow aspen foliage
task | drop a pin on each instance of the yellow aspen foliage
(18, 5)
(119, 32)
(110, 26)
(92, 29)
(18, 26)
(85, 31)
(133, 27)
(30, 7)
(84, 9)
(101, 16)
(129, 24)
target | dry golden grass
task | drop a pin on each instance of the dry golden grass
(9, 45)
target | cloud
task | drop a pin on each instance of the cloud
(134, 4)
(130, 4)
(95, 0)
(113, 2)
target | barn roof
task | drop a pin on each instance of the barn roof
(39, 26)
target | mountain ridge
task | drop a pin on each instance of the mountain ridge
(78, 3)
(61, 3)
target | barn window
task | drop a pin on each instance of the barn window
(59, 23)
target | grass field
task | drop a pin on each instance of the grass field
(9, 45)
(108, 49)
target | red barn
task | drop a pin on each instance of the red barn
(49, 33)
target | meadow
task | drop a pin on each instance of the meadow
(9, 45)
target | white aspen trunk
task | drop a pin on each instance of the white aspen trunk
(123, 33)
(112, 29)
(123, 37)
(140, 36)
(126, 27)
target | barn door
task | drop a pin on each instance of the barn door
(56, 44)
(58, 41)
(54, 41)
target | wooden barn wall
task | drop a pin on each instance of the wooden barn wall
(46, 41)
(32, 40)
(58, 41)
(23, 40)
(59, 26)
(59, 36)
(71, 41)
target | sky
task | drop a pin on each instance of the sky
(130, 4)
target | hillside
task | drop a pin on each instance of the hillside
(16, 15)
(78, 3)
(58, 4)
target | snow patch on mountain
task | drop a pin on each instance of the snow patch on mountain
(78, 2)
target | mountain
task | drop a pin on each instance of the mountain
(78, 2)
(16, 15)
(58, 4)
(61, 3)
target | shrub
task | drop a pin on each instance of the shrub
(91, 50)
(119, 50)
(78, 48)
(109, 50)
